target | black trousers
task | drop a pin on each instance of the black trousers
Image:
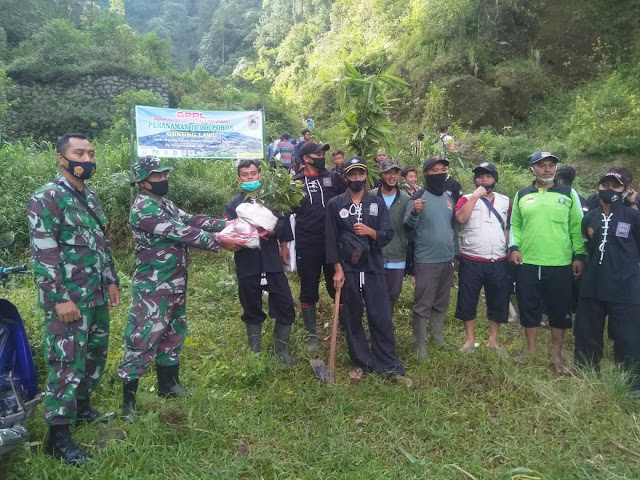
(310, 262)
(538, 287)
(394, 278)
(381, 357)
(624, 330)
(280, 299)
(494, 276)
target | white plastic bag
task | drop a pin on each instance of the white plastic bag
(292, 266)
(257, 215)
(243, 230)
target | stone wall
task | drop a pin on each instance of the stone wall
(93, 96)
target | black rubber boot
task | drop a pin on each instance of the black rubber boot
(169, 382)
(86, 414)
(129, 391)
(281, 336)
(61, 445)
(309, 318)
(254, 335)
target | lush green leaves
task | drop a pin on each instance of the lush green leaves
(364, 104)
(278, 191)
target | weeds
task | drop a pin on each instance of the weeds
(468, 416)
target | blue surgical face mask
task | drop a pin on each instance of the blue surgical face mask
(251, 186)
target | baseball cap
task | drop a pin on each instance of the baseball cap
(145, 166)
(486, 167)
(612, 174)
(355, 162)
(536, 157)
(389, 164)
(431, 161)
(312, 147)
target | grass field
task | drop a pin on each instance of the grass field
(468, 416)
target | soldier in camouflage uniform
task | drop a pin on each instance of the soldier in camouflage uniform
(157, 323)
(76, 280)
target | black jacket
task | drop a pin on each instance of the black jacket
(342, 215)
(310, 215)
(613, 270)
(254, 261)
(454, 189)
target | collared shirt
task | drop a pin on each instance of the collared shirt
(545, 226)
(70, 252)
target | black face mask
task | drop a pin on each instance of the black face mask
(160, 188)
(609, 196)
(318, 163)
(81, 170)
(435, 183)
(488, 188)
(356, 185)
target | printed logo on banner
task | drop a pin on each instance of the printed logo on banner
(253, 122)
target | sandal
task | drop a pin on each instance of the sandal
(561, 367)
(355, 375)
(469, 349)
(397, 378)
(499, 350)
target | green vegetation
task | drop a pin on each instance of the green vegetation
(467, 416)
(364, 104)
(509, 77)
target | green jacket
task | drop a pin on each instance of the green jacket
(545, 226)
(396, 249)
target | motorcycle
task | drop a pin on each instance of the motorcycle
(18, 378)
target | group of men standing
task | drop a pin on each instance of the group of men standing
(361, 241)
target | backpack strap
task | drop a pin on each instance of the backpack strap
(494, 211)
(83, 202)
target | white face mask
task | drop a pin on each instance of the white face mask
(542, 181)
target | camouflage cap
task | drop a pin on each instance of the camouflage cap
(145, 166)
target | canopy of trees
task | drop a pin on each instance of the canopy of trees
(472, 63)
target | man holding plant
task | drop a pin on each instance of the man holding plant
(261, 269)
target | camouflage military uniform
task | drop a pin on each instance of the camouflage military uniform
(157, 323)
(71, 261)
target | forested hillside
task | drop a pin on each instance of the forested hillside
(510, 76)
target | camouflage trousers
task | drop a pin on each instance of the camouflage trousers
(76, 353)
(156, 330)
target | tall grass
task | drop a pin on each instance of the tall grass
(198, 186)
(468, 416)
